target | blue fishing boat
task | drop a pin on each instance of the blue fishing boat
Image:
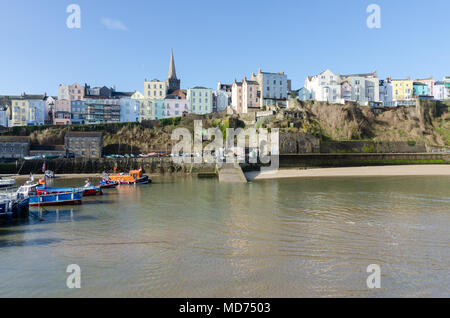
(57, 199)
(30, 190)
(87, 190)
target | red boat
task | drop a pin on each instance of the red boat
(87, 191)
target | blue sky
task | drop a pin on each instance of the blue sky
(123, 42)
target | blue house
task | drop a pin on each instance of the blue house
(421, 89)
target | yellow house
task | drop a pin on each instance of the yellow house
(155, 89)
(402, 89)
(19, 112)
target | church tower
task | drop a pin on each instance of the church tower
(172, 82)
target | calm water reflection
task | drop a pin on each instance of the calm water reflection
(199, 238)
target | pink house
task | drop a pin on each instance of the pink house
(175, 106)
(72, 92)
(61, 115)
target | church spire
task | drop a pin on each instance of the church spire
(172, 82)
(172, 72)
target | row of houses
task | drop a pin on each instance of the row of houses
(82, 104)
(368, 90)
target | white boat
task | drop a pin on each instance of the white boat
(49, 174)
(6, 183)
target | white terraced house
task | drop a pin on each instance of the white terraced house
(325, 87)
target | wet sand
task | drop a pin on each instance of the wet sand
(411, 170)
(58, 176)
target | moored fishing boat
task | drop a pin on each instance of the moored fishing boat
(67, 198)
(87, 191)
(133, 177)
(30, 190)
(6, 183)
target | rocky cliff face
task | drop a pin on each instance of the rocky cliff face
(303, 126)
(426, 123)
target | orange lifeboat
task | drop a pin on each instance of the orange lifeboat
(133, 177)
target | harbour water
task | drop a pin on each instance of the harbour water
(188, 237)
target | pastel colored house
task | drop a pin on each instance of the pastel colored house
(364, 87)
(402, 89)
(159, 109)
(155, 89)
(147, 109)
(71, 92)
(175, 106)
(130, 110)
(19, 112)
(273, 88)
(27, 110)
(200, 100)
(245, 96)
(430, 84)
(62, 112)
(325, 87)
(36, 109)
(420, 89)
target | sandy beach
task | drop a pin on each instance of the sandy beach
(58, 176)
(412, 170)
